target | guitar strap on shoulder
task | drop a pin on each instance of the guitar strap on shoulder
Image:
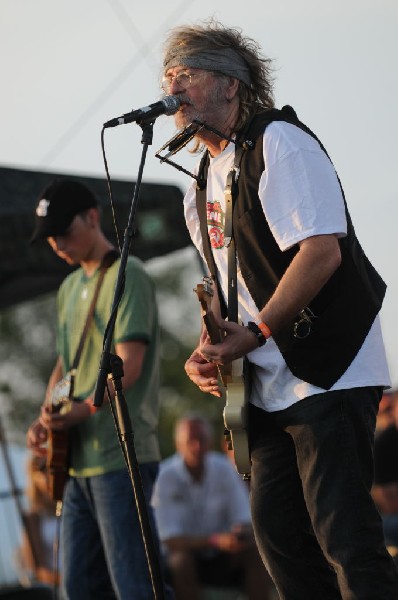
(230, 194)
(242, 144)
(106, 262)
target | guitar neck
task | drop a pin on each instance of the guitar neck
(231, 377)
(212, 328)
(216, 337)
(204, 293)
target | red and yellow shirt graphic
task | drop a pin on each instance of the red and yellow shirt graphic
(215, 224)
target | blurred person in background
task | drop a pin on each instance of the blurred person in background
(385, 416)
(203, 517)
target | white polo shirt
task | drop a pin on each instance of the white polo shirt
(183, 506)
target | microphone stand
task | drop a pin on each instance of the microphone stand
(113, 364)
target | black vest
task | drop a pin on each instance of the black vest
(346, 306)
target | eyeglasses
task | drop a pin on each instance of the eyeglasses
(183, 79)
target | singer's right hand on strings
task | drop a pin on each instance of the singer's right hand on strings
(204, 374)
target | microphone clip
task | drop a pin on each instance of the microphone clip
(181, 139)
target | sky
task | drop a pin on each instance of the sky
(69, 66)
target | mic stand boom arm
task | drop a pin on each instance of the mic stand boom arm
(112, 364)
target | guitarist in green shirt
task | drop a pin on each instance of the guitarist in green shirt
(102, 547)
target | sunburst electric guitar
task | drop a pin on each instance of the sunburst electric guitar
(58, 441)
(231, 375)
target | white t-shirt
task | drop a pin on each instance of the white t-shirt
(301, 197)
(183, 506)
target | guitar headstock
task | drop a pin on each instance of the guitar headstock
(59, 399)
(204, 292)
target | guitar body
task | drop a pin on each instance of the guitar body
(235, 409)
(58, 441)
(235, 421)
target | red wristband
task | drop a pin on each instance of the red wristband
(93, 409)
(213, 540)
(265, 330)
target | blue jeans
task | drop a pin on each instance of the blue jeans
(102, 547)
(316, 525)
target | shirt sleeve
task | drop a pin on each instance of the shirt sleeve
(299, 189)
(137, 310)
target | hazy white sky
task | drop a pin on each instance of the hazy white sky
(68, 66)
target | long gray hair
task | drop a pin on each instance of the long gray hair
(212, 38)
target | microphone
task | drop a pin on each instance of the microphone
(168, 106)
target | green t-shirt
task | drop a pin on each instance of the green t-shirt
(94, 443)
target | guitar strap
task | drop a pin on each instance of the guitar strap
(58, 440)
(106, 262)
(242, 144)
(231, 310)
(229, 242)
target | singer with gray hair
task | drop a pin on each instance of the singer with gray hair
(296, 297)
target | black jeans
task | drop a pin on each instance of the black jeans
(316, 526)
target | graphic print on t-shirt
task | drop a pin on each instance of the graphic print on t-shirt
(215, 224)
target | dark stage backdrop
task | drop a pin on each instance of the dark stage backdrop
(28, 270)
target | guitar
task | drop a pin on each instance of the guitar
(58, 441)
(235, 409)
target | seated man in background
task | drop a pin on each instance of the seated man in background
(203, 516)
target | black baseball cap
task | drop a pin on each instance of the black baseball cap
(58, 204)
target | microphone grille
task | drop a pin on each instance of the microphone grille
(172, 104)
